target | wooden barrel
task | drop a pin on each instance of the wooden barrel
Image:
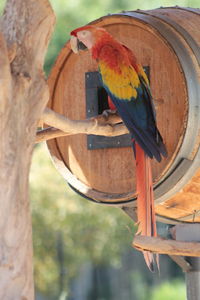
(166, 41)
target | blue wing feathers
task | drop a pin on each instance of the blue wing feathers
(139, 117)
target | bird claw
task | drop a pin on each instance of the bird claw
(108, 112)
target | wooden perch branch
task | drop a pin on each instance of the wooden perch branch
(63, 126)
(49, 133)
(99, 125)
(162, 246)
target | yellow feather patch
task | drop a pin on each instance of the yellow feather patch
(122, 85)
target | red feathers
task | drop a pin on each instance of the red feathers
(145, 200)
(74, 32)
(111, 104)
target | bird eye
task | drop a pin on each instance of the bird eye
(84, 33)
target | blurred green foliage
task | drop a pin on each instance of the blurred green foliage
(172, 290)
(2, 3)
(90, 232)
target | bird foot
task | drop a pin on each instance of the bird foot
(108, 112)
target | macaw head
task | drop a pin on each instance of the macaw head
(86, 37)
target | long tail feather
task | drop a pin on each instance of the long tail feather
(145, 201)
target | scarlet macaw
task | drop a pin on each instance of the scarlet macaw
(128, 87)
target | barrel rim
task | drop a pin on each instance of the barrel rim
(188, 38)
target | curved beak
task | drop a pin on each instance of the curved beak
(76, 45)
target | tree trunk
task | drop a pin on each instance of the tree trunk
(25, 30)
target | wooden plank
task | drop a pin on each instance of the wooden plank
(185, 203)
(170, 247)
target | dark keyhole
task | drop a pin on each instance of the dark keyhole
(102, 100)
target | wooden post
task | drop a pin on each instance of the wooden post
(190, 233)
(192, 279)
(184, 249)
(25, 30)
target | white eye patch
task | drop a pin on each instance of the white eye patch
(86, 38)
(84, 33)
